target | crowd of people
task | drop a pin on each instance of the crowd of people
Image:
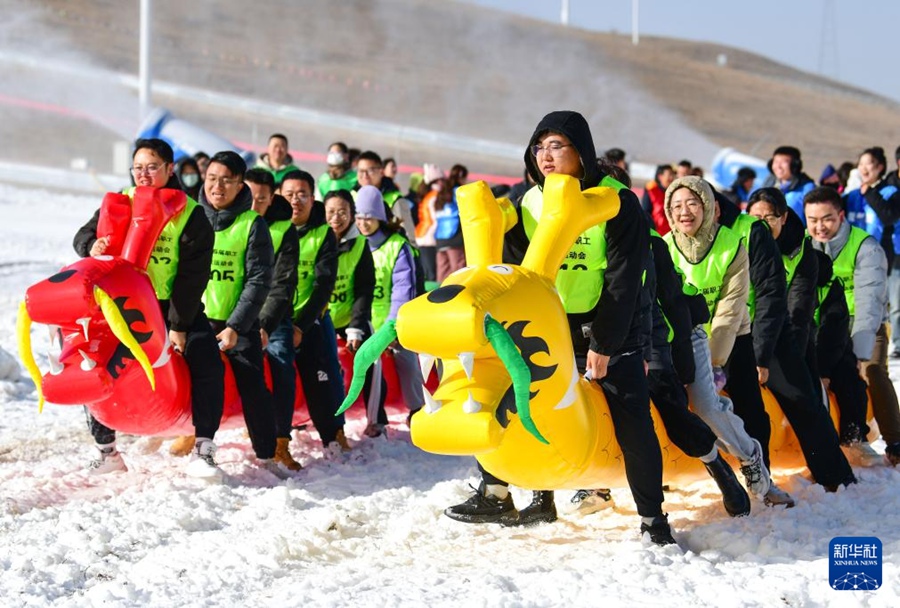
(688, 294)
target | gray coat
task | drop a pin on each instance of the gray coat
(869, 289)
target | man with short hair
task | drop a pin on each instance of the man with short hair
(861, 264)
(238, 285)
(276, 159)
(788, 176)
(276, 329)
(370, 172)
(314, 340)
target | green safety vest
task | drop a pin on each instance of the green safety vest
(341, 302)
(163, 264)
(845, 264)
(327, 184)
(226, 274)
(580, 278)
(277, 230)
(791, 263)
(708, 275)
(310, 243)
(385, 257)
(742, 226)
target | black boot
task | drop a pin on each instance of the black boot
(483, 508)
(734, 496)
(659, 531)
(541, 510)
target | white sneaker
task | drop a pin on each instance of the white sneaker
(777, 497)
(756, 475)
(585, 502)
(275, 468)
(109, 461)
(862, 454)
(202, 463)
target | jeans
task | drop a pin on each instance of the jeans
(714, 409)
(281, 363)
(320, 373)
(410, 375)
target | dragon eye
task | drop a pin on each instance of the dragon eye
(500, 269)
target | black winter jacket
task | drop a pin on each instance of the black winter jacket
(258, 261)
(325, 270)
(280, 301)
(801, 295)
(833, 335)
(767, 277)
(363, 284)
(616, 323)
(194, 259)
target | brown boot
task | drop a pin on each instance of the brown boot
(283, 455)
(342, 440)
(182, 446)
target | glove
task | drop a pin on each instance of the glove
(719, 378)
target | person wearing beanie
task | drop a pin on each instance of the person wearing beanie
(787, 174)
(239, 283)
(315, 346)
(395, 284)
(179, 271)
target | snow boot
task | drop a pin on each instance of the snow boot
(108, 461)
(755, 472)
(734, 496)
(659, 531)
(483, 508)
(182, 446)
(283, 454)
(203, 464)
(585, 502)
(541, 510)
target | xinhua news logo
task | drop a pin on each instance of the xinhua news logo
(854, 563)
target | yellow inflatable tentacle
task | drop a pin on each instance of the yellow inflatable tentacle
(23, 330)
(483, 223)
(120, 329)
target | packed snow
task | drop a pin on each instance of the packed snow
(367, 529)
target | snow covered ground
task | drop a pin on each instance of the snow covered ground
(366, 531)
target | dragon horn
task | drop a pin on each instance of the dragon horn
(518, 370)
(121, 331)
(23, 330)
(367, 354)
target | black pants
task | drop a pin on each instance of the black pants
(201, 353)
(685, 428)
(850, 391)
(743, 389)
(320, 373)
(625, 387)
(246, 360)
(798, 396)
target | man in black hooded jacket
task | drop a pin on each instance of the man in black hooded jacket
(608, 328)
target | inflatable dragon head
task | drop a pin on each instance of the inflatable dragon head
(509, 388)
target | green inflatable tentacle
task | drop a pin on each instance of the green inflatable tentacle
(518, 370)
(367, 354)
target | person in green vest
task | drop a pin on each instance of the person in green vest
(370, 172)
(339, 175)
(276, 159)
(315, 346)
(179, 271)
(239, 282)
(775, 360)
(714, 261)
(351, 300)
(395, 284)
(801, 264)
(276, 330)
(861, 265)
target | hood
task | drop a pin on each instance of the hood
(792, 234)
(695, 247)
(279, 210)
(222, 218)
(576, 129)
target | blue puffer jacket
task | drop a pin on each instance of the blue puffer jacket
(793, 191)
(877, 211)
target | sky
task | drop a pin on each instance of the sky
(366, 529)
(848, 40)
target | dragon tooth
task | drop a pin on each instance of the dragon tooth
(84, 322)
(432, 405)
(467, 360)
(55, 366)
(426, 363)
(87, 364)
(471, 406)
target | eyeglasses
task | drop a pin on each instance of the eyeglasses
(148, 169)
(692, 206)
(769, 218)
(552, 148)
(222, 181)
(339, 213)
(300, 196)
